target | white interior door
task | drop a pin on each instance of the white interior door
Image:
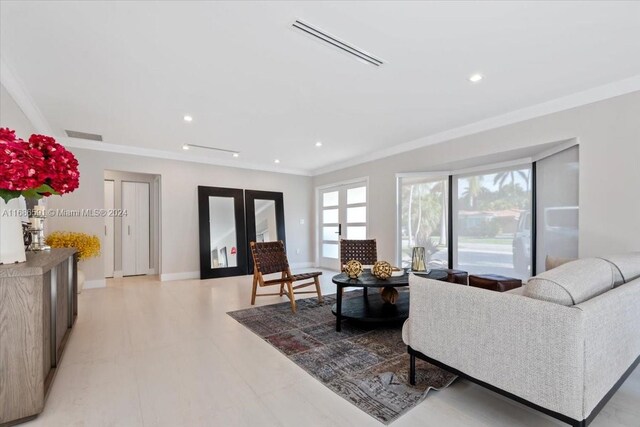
(343, 214)
(108, 242)
(135, 228)
(142, 228)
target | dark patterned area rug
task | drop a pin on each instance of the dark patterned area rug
(367, 366)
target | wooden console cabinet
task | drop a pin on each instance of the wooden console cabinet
(38, 307)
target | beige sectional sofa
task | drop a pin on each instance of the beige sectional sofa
(563, 344)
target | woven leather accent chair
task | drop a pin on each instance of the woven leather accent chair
(364, 251)
(271, 258)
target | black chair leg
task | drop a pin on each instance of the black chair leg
(412, 369)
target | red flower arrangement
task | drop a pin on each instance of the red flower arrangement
(36, 168)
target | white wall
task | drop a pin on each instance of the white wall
(179, 205)
(609, 137)
(11, 116)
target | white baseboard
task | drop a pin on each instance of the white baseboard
(93, 284)
(307, 264)
(185, 275)
(117, 274)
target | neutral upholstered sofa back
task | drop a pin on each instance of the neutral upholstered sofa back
(626, 267)
(573, 282)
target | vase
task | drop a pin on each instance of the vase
(417, 259)
(11, 234)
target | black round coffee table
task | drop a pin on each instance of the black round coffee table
(371, 308)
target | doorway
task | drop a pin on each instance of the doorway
(342, 213)
(131, 238)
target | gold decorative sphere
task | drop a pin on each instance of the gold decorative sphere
(353, 269)
(382, 270)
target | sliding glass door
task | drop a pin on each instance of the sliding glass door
(481, 220)
(492, 222)
(423, 210)
(557, 212)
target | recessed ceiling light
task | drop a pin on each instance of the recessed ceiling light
(188, 118)
(475, 78)
(318, 144)
(185, 146)
(236, 154)
(276, 161)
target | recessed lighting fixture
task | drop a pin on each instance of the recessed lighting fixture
(475, 78)
(188, 118)
(276, 161)
(318, 144)
(236, 154)
(185, 146)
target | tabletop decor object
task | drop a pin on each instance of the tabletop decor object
(382, 270)
(353, 269)
(36, 228)
(88, 246)
(39, 167)
(417, 259)
(397, 272)
(389, 294)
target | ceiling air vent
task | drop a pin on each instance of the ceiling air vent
(83, 135)
(335, 42)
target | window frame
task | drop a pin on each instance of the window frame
(444, 175)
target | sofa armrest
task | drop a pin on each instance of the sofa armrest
(533, 349)
(612, 339)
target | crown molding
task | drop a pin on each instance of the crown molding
(16, 89)
(578, 99)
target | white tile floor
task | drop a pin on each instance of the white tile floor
(150, 353)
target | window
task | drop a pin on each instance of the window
(423, 218)
(488, 226)
(492, 222)
(557, 181)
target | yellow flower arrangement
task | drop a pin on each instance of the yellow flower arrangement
(88, 246)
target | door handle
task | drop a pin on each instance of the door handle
(339, 229)
(129, 230)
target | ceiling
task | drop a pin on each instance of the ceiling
(130, 71)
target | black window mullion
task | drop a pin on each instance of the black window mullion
(450, 225)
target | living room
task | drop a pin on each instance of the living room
(462, 174)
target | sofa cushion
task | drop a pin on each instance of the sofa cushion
(573, 282)
(626, 267)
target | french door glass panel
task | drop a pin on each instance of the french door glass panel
(423, 219)
(493, 222)
(557, 210)
(343, 214)
(357, 232)
(330, 216)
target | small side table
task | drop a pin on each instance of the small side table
(494, 282)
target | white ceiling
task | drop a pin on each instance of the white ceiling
(131, 70)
